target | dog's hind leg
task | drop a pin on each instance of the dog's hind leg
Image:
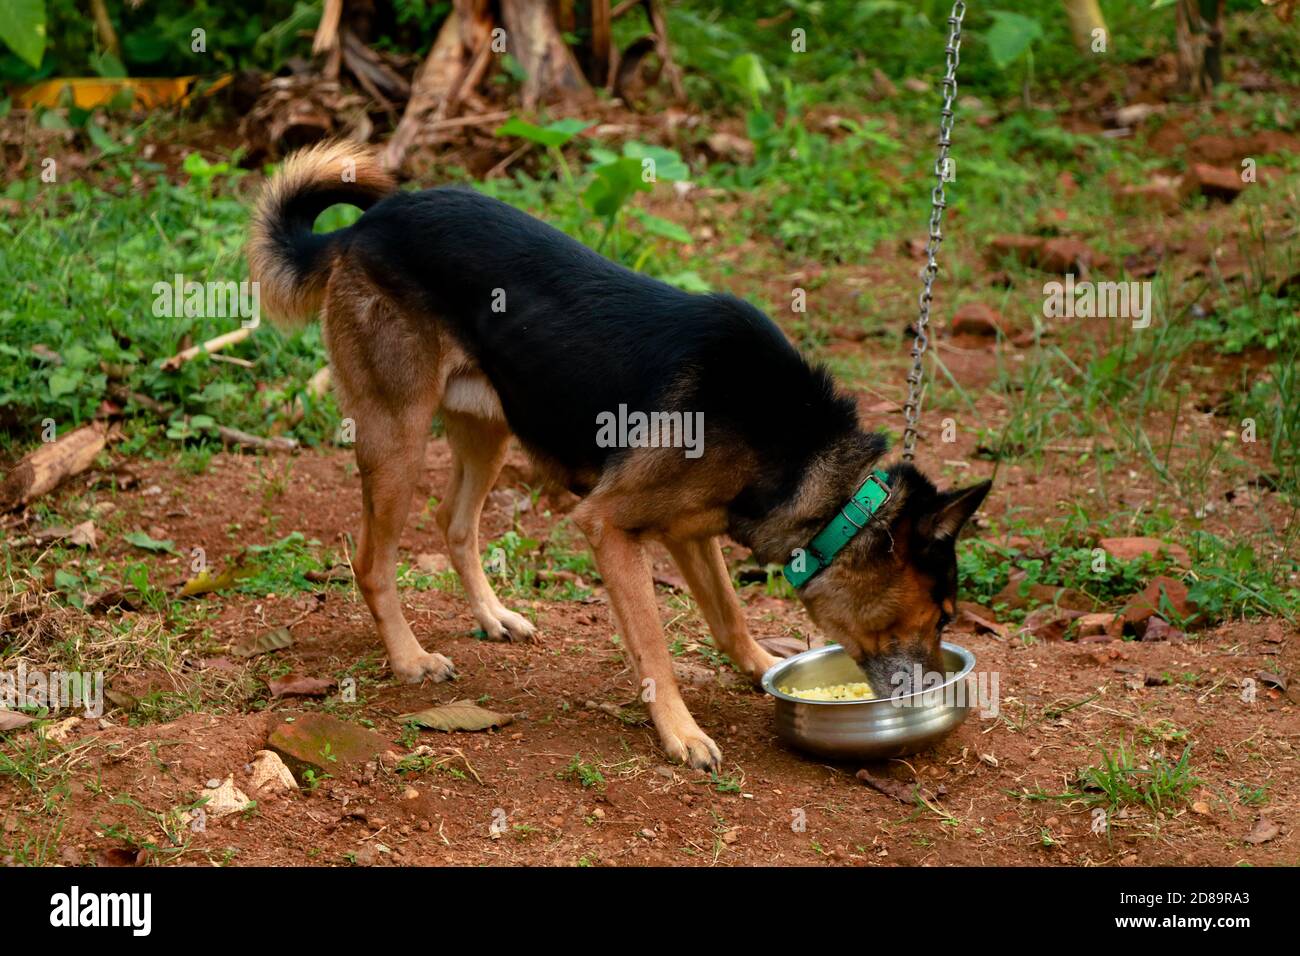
(702, 564)
(385, 377)
(478, 447)
(390, 455)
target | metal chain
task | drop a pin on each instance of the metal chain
(912, 410)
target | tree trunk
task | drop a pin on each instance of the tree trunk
(533, 37)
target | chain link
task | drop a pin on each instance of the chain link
(912, 410)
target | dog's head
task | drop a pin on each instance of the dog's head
(888, 595)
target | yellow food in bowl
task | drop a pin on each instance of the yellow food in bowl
(858, 691)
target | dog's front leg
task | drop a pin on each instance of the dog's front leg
(622, 564)
(705, 569)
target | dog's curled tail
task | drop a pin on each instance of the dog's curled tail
(289, 262)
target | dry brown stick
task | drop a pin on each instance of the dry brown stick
(211, 345)
(48, 466)
(376, 76)
(231, 360)
(233, 436)
(480, 119)
(659, 24)
(104, 27)
(327, 33)
(501, 167)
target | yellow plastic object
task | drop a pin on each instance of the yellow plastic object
(91, 91)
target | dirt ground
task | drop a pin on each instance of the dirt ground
(1058, 700)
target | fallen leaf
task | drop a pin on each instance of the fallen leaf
(296, 685)
(1276, 681)
(146, 543)
(458, 715)
(205, 582)
(272, 640)
(84, 535)
(1263, 831)
(121, 699)
(783, 646)
(125, 598)
(12, 720)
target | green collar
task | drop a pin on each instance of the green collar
(832, 539)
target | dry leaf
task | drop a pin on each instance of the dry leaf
(1264, 830)
(12, 720)
(273, 640)
(458, 715)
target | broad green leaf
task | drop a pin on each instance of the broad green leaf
(22, 28)
(668, 164)
(1010, 36)
(141, 540)
(613, 185)
(662, 227)
(747, 71)
(553, 134)
(64, 381)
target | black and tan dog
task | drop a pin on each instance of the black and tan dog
(448, 302)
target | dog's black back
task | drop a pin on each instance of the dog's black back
(565, 334)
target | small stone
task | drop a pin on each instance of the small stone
(976, 318)
(225, 798)
(325, 744)
(410, 793)
(1163, 591)
(1213, 182)
(269, 774)
(1130, 549)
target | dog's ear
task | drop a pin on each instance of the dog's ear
(953, 510)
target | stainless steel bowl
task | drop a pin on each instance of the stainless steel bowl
(865, 729)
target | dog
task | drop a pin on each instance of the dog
(448, 302)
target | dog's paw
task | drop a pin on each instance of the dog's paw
(506, 625)
(695, 749)
(424, 666)
(758, 666)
